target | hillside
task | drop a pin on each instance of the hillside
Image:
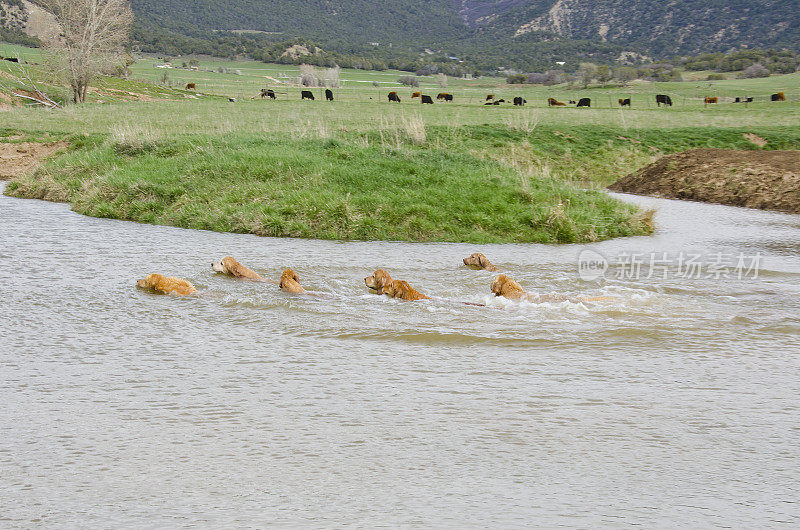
(659, 28)
(523, 34)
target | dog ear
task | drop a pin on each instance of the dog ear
(482, 260)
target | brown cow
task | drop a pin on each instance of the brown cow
(709, 100)
(445, 96)
(416, 95)
(624, 102)
(553, 102)
(190, 86)
(394, 97)
(778, 97)
(490, 96)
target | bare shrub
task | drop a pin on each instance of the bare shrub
(408, 80)
(753, 71)
(307, 76)
(331, 77)
(442, 80)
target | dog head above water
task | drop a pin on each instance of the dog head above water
(228, 265)
(478, 261)
(290, 282)
(378, 280)
(166, 285)
(402, 290)
(508, 288)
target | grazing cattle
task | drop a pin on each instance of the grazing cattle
(426, 99)
(584, 102)
(232, 100)
(394, 97)
(778, 97)
(498, 101)
(519, 102)
(328, 94)
(267, 93)
(416, 95)
(709, 100)
(666, 100)
(190, 86)
(553, 102)
(737, 100)
(489, 97)
(306, 94)
(572, 102)
(445, 96)
(625, 102)
(11, 59)
(748, 100)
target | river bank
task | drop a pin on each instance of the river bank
(768, 180)
(411, 182)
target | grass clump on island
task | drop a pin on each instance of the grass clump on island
(324, 188)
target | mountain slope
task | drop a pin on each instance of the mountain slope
(658, 28)
(356, 21)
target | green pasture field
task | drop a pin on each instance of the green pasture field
(361, 167)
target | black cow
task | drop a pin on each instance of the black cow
(737, 100)
(662, 98)
(11, 59)
(306, 94)
(748, 100)
(496, 102)
(518, 101)
(572, 102)
(584, 102)
(778, 97)
(427, 99)
(625, 102)
(445, 96)
(267, 93)
(328, 94)
(232, 100)
(394, 97)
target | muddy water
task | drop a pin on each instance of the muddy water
(675, 404)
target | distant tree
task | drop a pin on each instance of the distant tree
(626, 74)
(604, 74)
(93, 33)
(586, 73)
(516, 79)
(715, 77)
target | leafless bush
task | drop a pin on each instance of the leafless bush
(408, 80)
(442, 80)
(753, 71)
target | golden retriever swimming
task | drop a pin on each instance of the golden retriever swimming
(402, 290)
(228, 265)
(508, 288)
(378, 280)
(166, 285)
(290, 282)
(479, 262)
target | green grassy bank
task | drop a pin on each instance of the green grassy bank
(478, 184)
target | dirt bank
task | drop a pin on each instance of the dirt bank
(19, 159)
(769, 180)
